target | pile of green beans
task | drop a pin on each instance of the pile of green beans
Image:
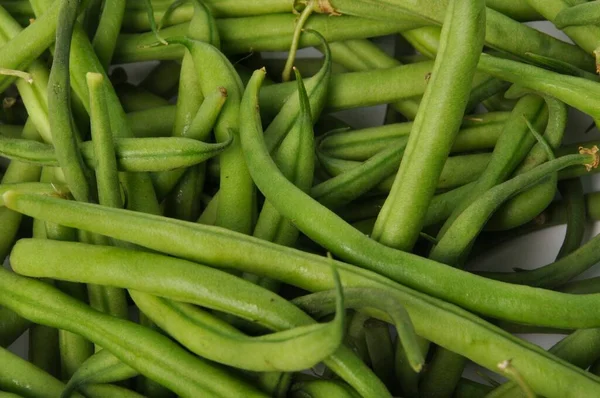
(209, 228)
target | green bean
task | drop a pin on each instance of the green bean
(578, 15)
(349, 185)
(199, 128)
(189, 102)
(457, 170)
(478, 132)
(581, 348)
(249, 301)
(23, 378)
(497, 24)
(355, 89)
(518, 10)
(11, 326)
(560, 66)
(469, 389)
(575, 91)
(512, 147)
(109, 190)
(133, 154)
(110, 300)
(64, 135)
(362, 55)
(407, 379)
(16, 172)
(586, 37)
(322, 389)
(105, 39)
(526, 205)
(572, 194)
(43, 349)
(261, 33)
(34, 94)
(432, 138)
(322, 303)
(161, 126)
(27, 44)
(135, 99)
(163, 80)
(140, 193)
(174, 237)
(316, 90)
(295, 157)
(237, 199)
(155, 355)
(463, 231)
(113, 370)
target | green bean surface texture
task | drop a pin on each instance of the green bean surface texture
(299, 198)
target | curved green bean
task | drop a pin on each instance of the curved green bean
(107, 32)
(264, 258)
(222, 292)
(151, 353)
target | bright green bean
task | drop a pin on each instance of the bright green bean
(401, 217)
(133, 154)
(264, 258)
(25, 379)
(226, 292)
(151, 353)
(237, 194)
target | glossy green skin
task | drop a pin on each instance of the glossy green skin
(220, 291)
(402, 215)
(26, 380)
(212, 246)
(151, 353)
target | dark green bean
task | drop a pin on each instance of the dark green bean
(572, 195)
(107, 32)
(136, 99)
(64, 136)
(163, 80)
(43, 349)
